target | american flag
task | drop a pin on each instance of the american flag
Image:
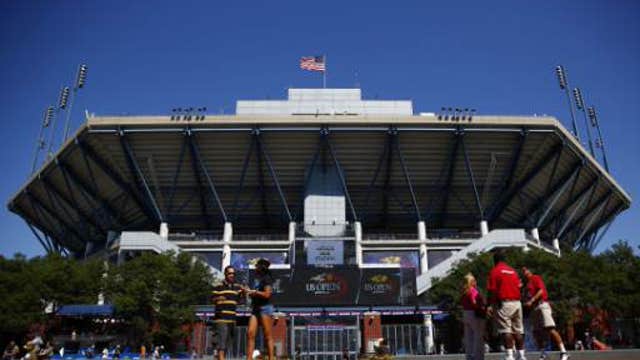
(312, 63)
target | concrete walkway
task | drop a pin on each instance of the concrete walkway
(631, 354)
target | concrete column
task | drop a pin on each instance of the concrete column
(164, 230)
(372, 330)
(428, 334)
(484, 227)
(556, 245)
(358, 230)
(292, 231)
(424, 259)
(279, 333)
(536, 234)
(227, 235)
(422, 231)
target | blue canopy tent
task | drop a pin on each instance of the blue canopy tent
(85, 310)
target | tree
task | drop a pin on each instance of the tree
(157, 294)
(577, 283)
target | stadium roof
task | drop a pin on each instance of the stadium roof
(196, 172)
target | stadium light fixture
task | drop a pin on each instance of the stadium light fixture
(577, 95)
(81, 79)
(564, 85)
(46, 121)
(593, 116)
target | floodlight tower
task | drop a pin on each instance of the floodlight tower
(81, 78)
(564, 85)
(600, 142)
(48, 116)
(577, 95)
(62, 104)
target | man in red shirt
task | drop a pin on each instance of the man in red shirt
(504, 288)
(541, 314)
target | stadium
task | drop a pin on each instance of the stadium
(358, 204)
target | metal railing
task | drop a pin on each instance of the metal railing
(405, 339)
(325, 231)
(389, 236)
(196, 236)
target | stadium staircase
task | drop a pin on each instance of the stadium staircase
(150, 241)
(494, 239)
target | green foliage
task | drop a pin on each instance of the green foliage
(577, 280)
(29, 286)
(153, 293)
(157, 292)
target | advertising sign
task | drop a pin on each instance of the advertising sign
(319, 286)
(325, 252)
(387, 287)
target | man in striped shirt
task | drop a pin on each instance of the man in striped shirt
(226, 297)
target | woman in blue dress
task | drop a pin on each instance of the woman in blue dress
(262, 309)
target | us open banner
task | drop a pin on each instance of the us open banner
(343, 285)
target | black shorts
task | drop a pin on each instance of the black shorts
(223, 335)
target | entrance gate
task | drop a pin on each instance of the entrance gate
(326, 342)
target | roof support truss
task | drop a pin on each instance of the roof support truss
(471, 177)
(407, 177)
(325, 133)
(506, 197)
(261, 147)
(137, 174)
(117, 179)
(193, 142)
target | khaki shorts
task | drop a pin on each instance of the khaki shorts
(508, 318)
(541, 317)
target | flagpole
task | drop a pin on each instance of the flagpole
(324, 73)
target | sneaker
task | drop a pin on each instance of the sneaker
(543, 357)
(564, 356)
(509, 358)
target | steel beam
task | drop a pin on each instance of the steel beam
(509, 175)
(262, 148)
(137, 174)
(407, 177)
(452, 164)
(594, 213)
(578, 207)
(570, 202)
(195, 150)
(44, 244)
(54, 215)
(387, 178)
(601, 201)
(71, 176)
(551, 196)
(183, 149)
(71, 203)
(507, 196)
(471, 177)
(341, 175)
(371, 186)
(261, 186)
(117, 179)
(245, 166)
(206, 219)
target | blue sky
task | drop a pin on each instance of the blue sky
(147, 57)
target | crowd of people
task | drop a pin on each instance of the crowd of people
(505, 308)
(34, 349)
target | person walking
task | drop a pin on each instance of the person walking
(226, 297)
(504, 286)
(262, 309)
(474, 320)
(541, 314)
